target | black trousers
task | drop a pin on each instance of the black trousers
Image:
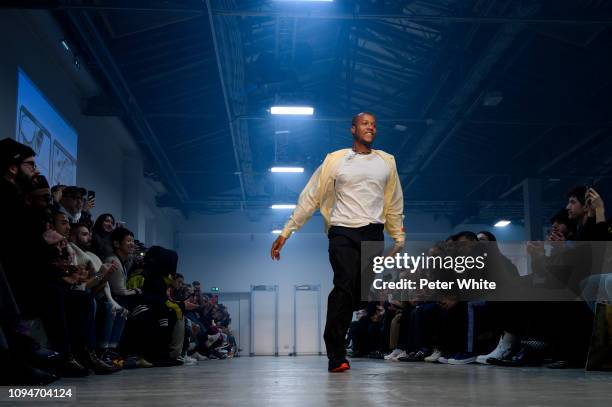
(67, 317)
(345, 253)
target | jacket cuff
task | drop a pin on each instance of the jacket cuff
(399, 244)
(286, 233)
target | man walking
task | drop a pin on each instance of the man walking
(358, 193)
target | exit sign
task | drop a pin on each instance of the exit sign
(214, 289)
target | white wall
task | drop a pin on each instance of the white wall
(31, 41)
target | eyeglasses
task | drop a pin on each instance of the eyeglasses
(30, 163)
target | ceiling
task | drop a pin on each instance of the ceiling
(472, 97)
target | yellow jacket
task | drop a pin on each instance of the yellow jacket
(319, 194)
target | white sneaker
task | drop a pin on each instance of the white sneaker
(443, 359)
(402, 354)
(435, 355)
(198, 356)
(503, 349)
(187, 361)
(393, 354)
(212, 339)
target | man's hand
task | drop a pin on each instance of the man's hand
(89, 204)
(107, 269)
(556, 236)
(395, 250)
(595, 205)
(277, 246)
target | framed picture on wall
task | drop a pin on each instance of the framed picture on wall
(63, 166)
(33, 134)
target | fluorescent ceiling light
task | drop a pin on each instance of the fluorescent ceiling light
(65, 45)
(276, 231)
(297, 110)
(502, 223)
(287, 169)
(311, 1)
(282, 132)
(283, 206)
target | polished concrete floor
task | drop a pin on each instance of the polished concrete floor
(304, 381)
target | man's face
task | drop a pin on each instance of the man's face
(364, 129)
(178, 282)
(27, 169)
(575, 210)
(82, 238)
(25, 172)
(73, 202)
(196, 288)
(61, 224)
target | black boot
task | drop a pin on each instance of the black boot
(71, 368)
(18, 373)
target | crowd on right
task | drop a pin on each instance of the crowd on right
(453, 331)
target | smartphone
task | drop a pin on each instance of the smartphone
(91, 195)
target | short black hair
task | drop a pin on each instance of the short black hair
(578, 192)
(76, 226)
(196, 283)
(467, 234)
(561, 217)
(358, 115)
(179, 275)
(119, 234)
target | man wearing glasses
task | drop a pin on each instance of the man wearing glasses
(71, 203)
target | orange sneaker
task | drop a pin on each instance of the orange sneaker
(338, 365)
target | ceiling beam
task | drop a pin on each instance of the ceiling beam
(108, 5)
(415, 17)
(464, 99)
(228, 46)
(600, 133)
(144, 132)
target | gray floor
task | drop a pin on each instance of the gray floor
(304, 381)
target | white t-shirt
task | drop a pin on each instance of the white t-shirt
(360, 186)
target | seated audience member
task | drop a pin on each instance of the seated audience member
(366, 332)
(17, 170)
(136, 344)
(101, 243)
(508, 315)
(111, 316)
(543, 326)
(159, 273)
(72, 202)
(67, 313)
(60, 223)
(586, 207)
